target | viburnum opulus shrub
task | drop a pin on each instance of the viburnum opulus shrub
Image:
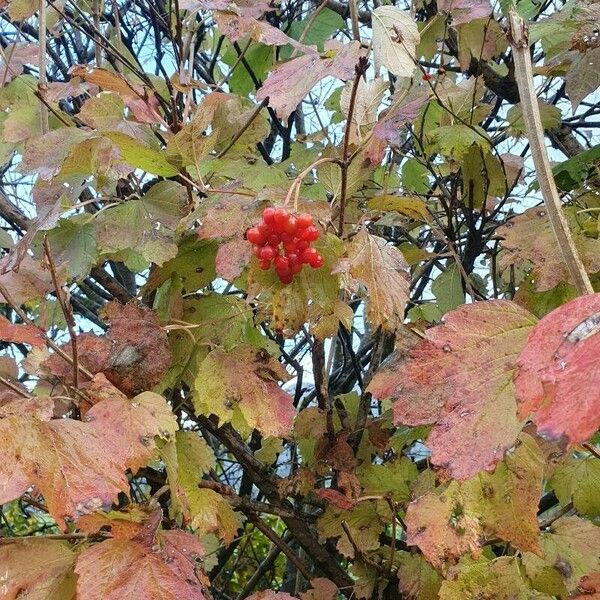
(297, 300)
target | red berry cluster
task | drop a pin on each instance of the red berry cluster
(284, 239)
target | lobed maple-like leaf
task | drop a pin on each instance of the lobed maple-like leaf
(117, 569)
(382, 269)
(289, 83)
(528, 241)
(444, 525)
(133, 355)
(460, 379)
(448, 522)
(242, 386)
(417, 579)
(558, 381)
(37, 570)
(133, 424)
(69, 462)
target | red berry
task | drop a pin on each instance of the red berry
(317, 262)
(290, 247)
(268, 215)
(286, 238)
(291, 225)
(301, 245)
(310, 234)
(273, 240)
(286, 278)
(309, 255)
(255, 236)
(264, 264)
(256, 250)
(304, 220)
(295, 264)
(265, 229)
(268, 253)
(280, 219)
(282, 265)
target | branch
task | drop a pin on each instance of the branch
(518, 37)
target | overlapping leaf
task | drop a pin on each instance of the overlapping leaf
(242, 386)
(460, 379)
(37, 569)
(558, 381)
(530, 241)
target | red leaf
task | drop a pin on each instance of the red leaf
(232, 257)
(21, 334)
(118, 569)
(133, 355)
(459, 378)
(288, 84)
(558, 379)
(132, 424)
(68, 461)
(335, 498)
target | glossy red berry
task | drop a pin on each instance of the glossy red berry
(282, 265)
(280, 220)
(286, 279)
(310, 234)
(268, 215)
(256, 250)
(273, 240)
(317, 262)
(309, 255)
(255, 236)
(264, 264)
(291, 225)
(304, 220)
(268, 253)
(302, 245)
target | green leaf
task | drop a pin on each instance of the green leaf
(570, 173)
(141, 156)
(194, 265)
(418, 580)
(499, 579)
(321, 29)
(453, 141)
(550, 114)
(577, 479)
(571, 546)
(73, 244)
(448, 289)
(415, 176)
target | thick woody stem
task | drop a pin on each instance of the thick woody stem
(518, 37)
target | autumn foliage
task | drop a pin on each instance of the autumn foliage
(285, 313)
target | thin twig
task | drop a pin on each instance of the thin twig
(14, 388)
(66, 310)
(247, 124)
(519, 39)
(360, 69)
(42, 79)
(7, 296)
(271, 535)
